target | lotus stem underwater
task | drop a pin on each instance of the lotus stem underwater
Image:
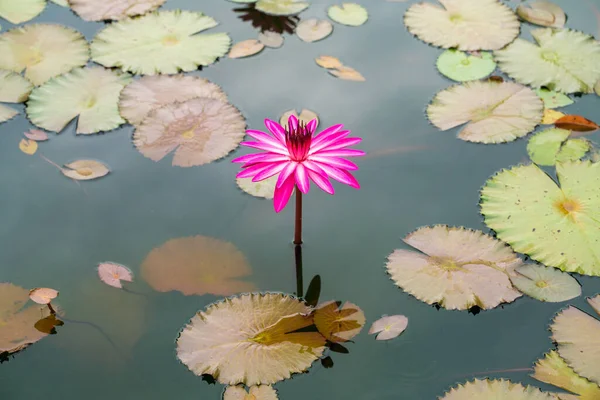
(299, 156)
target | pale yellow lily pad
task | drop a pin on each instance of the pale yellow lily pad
(551, 116)
(542, 13)
(85, 170)
(28, 146)
(313, 29)
(305, 116)
(7, 113)
(261, 392)
(264, 188)
(495, 389)
(13, 87)
(246, 48)
(347, 73)
(102, 10)
(328, 62)
(19, 11)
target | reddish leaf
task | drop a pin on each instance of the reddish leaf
(576, 123)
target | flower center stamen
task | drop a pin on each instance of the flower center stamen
(298, 141)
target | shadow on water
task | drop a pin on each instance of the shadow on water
(266, 22)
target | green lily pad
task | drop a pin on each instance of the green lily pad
(348, 14)
(18, 11)
(557, 226)
(281, 7)
(563, 60)
(460, 66)
(553, 99)
(545, 283)
(554, 370)
(551, 146)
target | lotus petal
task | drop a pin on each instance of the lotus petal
(18, 11)
(43, 295)
(500, 389)
(13, 87)
(577, 335)
(545, 284)
(43, 51)
(551, 146)
(552, 369)
(351, 14)
(494, 112)
(199, 131)
(149, 93)
(281, 7)
(313, 29)
(563, 60)
(112, 274)
(102, 10)
(542, 13)
(339, 324)
(264, 188)
(557, 226)
(271, 39)
(389, 327)
(246, 48)
(460, 66)
(170, 43)
(463, 24)
(247, 339)
(197, 265)
(457, 269)
(262, 392)
(90, 93)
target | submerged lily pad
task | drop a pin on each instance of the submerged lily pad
(577, 335)
(199, 131)
(463, 24)
(339, 323)
(553, 99)
(197, 265)
(542, 13)
(271, 39)
(460, 66)
(262, 392)
(563, 60)
(13, 87)
(313, 29)
(500, 389)
(351, 14)
(43, 51)
(552, 369)
(90, 94)
(149, 93)
(170, 43)
(494, 112)
(545, 283)
(19, 11)
(101, 10)
(85, 170)
(557, 226)
(553, 145)
(457, 269)
(247, 339)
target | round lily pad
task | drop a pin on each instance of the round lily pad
(557, 226)
(271, 39)
(312, 30)
(261, 392)
(279, 7)
(552, 145)
(563, 60)
(101, 10)
(13, 87)
(495, 389)
(545, 283)
(171, 43)
(463, 24)
(264, 188)
(460, 66)
(19, 11)
(494, 112)
(351, 14)
(542, 13)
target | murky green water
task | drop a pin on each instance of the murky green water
(53, 232)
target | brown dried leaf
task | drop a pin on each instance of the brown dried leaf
(576, 123)
(339, 324)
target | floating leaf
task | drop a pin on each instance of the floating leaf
(247, 339)
(545, 284)
(576, 123)
(389, 327)
(43, 51)
(463, 24)
(542, 13)
(457, 269)
(197, 265)
(28, 146)
(90, 93)
(264, 188)
(7, 113)
(149, 93)
(551, 146)
(13, 87)
(553, 99)
(577, 335)
(36, 134)
(351, 14)
(199, 131)
(552, 369)
(271, 39)
(62, 3)
(17, 329)
(102, 10)
(347, 73)
(494, 112)
(305, 116)
(313, 30)
(170, 43)
(246, 48)
(551, 116)
(43, 295)
(563, 60)
(460, 66)
(112, 274)
(281, 7)
(595, 303)
(557, 226)
(18, 11)
(328, 62)
(85, 170)
(262, 392)
(339, 324)
(500, 389)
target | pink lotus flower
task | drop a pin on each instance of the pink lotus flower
(299, 156)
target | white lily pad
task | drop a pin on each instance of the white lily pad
(264, 188)
(313, 29)
(281, 7)
(305, 116)
(351, 14)
(389, 327)
(460, 66)
(7, 113)
(542, 13)
(545, 283)
(85, 170)
(101, 10)
(90, 94)
(170, 43)
(494, 112)
(271, 39)
(13, 87)
(19, 11)
(499, 389)
(261, 392)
